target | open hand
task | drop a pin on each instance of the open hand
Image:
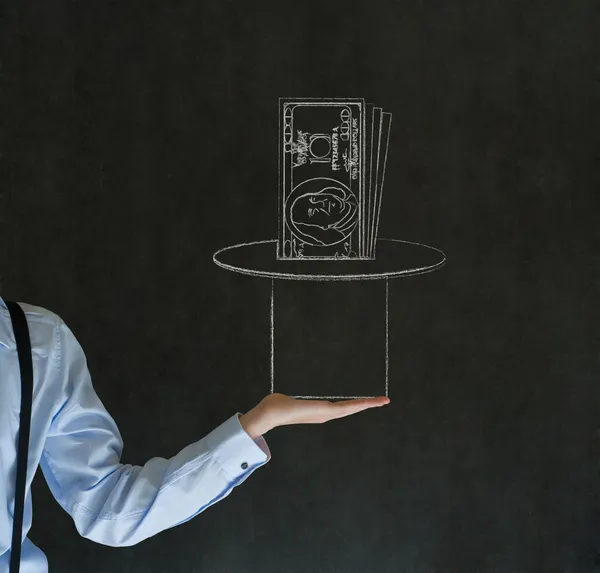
(281, 410)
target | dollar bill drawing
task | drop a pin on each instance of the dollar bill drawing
(330, 177)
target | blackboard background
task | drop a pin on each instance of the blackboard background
(140, 137)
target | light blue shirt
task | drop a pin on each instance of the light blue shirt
(78, 446)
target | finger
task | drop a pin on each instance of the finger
(364, 402)
(325, 410)
(349, 407)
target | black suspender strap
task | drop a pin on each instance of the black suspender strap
(21, 331)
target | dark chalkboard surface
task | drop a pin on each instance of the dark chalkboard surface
(140, 138)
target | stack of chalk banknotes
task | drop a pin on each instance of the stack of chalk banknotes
(332, 160)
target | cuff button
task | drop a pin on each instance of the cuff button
(245, 466)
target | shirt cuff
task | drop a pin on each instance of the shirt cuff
(235, 451)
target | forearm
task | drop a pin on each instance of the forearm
(137, 502)
(119, 505)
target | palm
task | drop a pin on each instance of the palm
(287, 410)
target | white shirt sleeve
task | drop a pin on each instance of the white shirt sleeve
(119, 504)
